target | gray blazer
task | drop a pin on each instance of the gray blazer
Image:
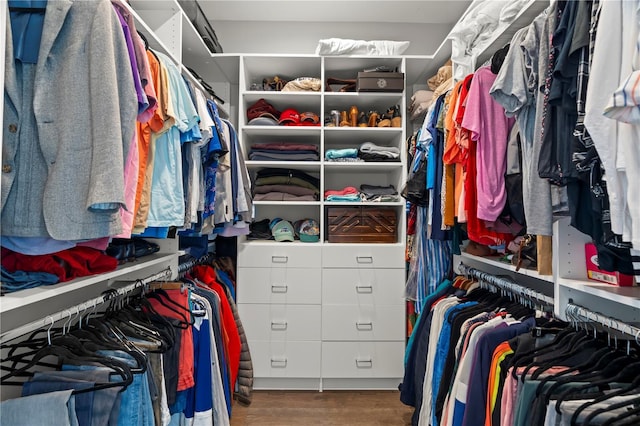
(84, 103)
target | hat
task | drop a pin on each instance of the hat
(265, 120)
(283, 231)
(262, 108)
(290, 117)
(307, 230)
(309, 119)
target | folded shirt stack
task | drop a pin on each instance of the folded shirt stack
(275, 184)
(378, 193)
(343, 155)
(284, 152)
(369, 151)
(348, 193)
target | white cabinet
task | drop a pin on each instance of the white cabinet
(325, 297)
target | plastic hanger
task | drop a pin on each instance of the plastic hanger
(622, 391)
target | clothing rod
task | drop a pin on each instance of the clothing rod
(185, 266)
(504, 284)
(69, 312)
(577, 313)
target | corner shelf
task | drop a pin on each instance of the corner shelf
(493, 261)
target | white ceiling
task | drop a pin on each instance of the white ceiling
(388, 11)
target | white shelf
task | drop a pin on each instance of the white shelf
(286, 203)
(361, 166)
(364, 203)
(24, 298)
(628, 296)
(493, 261)
(281, 130)
(308, 166)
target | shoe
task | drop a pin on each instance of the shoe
(384, 122)
(373, 119)
(328, 122)
(396, 118)
(353, 116)
(344, 119)
(362, 120)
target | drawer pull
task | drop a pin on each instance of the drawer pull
(279, 288)
(367, 326)
(278, 362)
(279, 259)
(278, 325)
(364, 259)
(364, 363)
(364, 289)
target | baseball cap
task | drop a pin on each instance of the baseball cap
(262, 108)
(264, 120)
(309, 119)
(290, 117)
(283, 231)
(307, 230)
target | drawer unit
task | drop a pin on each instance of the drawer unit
(363, 256)
(363, 286)
(280, 285)
(280, 322)
(363, 359)
(285, 359)
(362, 322)
(286, 255)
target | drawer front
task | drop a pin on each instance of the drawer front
(364, 322)
(279, 285)
(285, 359)
(363, 286)
(362, 359)
(363, 256)
(280, 255)
(280, 322)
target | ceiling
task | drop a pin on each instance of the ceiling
(389, 11)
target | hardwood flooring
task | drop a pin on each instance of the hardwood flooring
(328, 408)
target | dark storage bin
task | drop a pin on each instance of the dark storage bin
(194, 13)
(362, 225)
(380, 82)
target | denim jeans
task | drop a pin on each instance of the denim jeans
(20, 280)
(84, 401)
(103, 399)
(39, 410)
(135, 406)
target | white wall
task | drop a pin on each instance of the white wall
(302, 37)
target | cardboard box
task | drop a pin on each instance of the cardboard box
(362, 225)
(380, 82)
(597, 274)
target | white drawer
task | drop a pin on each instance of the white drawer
(283, 255)
(363, 256)
(279, 285)
(285, 359)
(363, 286)
(280, 322)
(362, 359)
(363, 322)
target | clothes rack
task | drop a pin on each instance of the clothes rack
(67, 313)
(506, 285)
(580, 313)
(188, 264)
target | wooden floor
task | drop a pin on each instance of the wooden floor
(328, 408)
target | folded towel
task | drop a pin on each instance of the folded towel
(341, 153)
(350, 198)
(388, 151)
(349, 190)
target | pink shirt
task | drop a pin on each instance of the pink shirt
(489, 127)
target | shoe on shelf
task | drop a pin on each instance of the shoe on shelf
(344, 119)
(362, 120)
(396, 118)
(353, 116)
(373, 119)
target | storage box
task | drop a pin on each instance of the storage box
(380, 82)
(362, 225)
(597, 274)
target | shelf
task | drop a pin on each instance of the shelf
(308, 166)
(281, 130)
(499, 39)
(628, 296)
(364, 203)
(148, 17)
(24, 298)
(286, 203)
(358, 167)
(493, 261)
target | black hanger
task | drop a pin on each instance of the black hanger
(165, 300)
(144, 39)
(622, 391)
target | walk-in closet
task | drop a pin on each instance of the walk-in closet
(235, 212)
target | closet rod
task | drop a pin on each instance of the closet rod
(185, 266)
(77, 309)
(578, 312)
(504, 284)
